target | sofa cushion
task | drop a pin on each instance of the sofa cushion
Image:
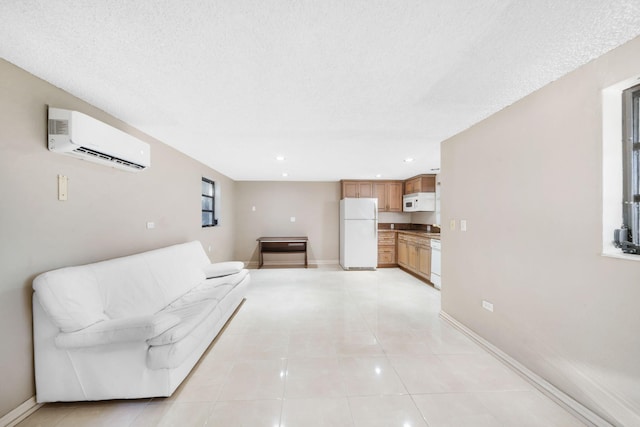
(177, 269)
(145, 283)
(119, 330)
(215, 288)
(71, 297)
(201, 293)
(190, 315)
(219, 269)
(172, 355)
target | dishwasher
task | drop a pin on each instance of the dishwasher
(435, 263)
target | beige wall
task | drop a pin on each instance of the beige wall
(104, 217)
(528, 180)
(315, 205)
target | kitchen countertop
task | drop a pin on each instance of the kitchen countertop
(418, 233)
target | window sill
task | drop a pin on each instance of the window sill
(621, 255)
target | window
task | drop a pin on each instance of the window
(208, 203)
(627, 237)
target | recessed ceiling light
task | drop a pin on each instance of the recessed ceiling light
(280, 158)
(285, 174)
(408, 160)
(378, 175)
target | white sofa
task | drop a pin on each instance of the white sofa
(130, 327)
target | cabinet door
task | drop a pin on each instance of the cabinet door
(408, 186)
(380, 191)
(365, 189)
(412, 251)
(394, 197)
(424, 262)
(349, 189)
(386, 255)
(428, 184)
(403, 253)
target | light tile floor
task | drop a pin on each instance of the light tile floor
(325, 347)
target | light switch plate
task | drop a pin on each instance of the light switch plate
(63, 187)
(463, 225)
(452, 224)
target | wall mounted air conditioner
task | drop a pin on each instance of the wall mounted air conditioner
(78, 135)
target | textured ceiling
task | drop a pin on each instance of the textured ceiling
(341, 88)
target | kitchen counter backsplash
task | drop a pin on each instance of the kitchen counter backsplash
(409, 227)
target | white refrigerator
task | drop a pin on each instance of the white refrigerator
(359, 233)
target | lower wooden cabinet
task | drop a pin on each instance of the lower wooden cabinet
(403, 251)
(414, 254)
(424, 261)
(387, 248)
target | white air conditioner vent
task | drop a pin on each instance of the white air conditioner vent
(76, 134)
(98, 155)
(58, 127)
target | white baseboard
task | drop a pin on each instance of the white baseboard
(576, 408)
(20, 413)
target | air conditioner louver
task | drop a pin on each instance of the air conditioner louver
(76, 134)
(88, 152)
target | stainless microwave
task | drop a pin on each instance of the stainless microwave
(419, 202)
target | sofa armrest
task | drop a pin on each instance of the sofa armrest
(219, 269)
(118, 330)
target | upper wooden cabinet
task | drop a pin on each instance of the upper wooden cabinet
(357, 189)
(388, 193)
(420, 184)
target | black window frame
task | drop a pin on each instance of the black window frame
(627, 237)
(214, 221)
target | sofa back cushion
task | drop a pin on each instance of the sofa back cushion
(127, 287)
(145, 283)
(136, 285)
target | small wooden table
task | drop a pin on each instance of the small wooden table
(283, 245)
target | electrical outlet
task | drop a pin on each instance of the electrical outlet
(151, 225)
(487, 306)
(293, 219)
